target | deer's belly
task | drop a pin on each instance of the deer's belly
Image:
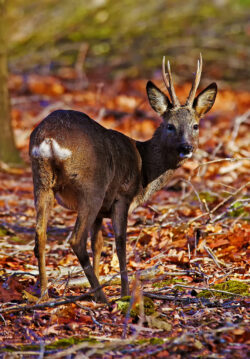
(67, 199)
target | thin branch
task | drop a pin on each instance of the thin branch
(218, 161)
(53, 304)
(238, 121)
(207, 208)
(231, 196)
(91, 314)
(212, 290)
(204, 288)
(195, 191)
(235, 193)
(212, 255)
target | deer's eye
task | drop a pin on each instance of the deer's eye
(170, 127)
(196, 127)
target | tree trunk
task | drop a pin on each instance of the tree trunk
(8, 151)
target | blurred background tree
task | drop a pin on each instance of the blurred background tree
(8, 151)
(110, 39)
(129, 37)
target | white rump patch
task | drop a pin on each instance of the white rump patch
(50, 148)
(43, 150)
(60, 152)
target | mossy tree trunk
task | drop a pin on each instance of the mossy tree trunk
(8, 152)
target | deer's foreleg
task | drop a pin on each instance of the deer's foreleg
(119, 221)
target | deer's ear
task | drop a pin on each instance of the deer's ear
(157, 99)
(205, 100)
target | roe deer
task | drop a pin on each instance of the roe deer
(102, 173)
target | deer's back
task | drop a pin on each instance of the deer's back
(86, 159)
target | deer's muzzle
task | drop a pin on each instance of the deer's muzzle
(185, 150)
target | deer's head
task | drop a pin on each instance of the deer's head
(179, 131)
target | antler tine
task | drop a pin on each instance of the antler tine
(165, 79)
(169, 83)
(195, 83)
(172, 93)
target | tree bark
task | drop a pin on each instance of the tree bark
(8, 152)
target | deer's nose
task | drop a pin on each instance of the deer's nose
(185, 149)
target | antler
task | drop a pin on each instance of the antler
(169, 84)
(195, 83)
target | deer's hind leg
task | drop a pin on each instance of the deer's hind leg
(87, 213)
(44, 199)
(96, 244)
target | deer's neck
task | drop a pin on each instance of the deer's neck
(157, 170)
(155, 160)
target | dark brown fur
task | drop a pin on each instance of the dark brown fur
(107, 174)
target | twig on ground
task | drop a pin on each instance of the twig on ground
(91, 314)
(109, 344)
(20, 354)
(230, 197)
(66, 284)
(190, 272)
(238, 121)
(73, 349)
(216, 150)
(42, 350)
(3, 319)
(16, 170)
(222, 203)
(220, 216)
(195, 191)
(207, 209)
(158, 256)
(198, 217)
(189, 252)
(212, 255)
(202, 288)
(45, 293)
(53, 304)
(217, 161)
(237, 219)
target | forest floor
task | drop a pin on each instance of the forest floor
(186, 248)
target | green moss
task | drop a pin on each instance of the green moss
(245, 3)
(153, 341)
(158, 321)
(124, 303)
(156, 341)
(207, 10)
(237, 209)
(168, 282)
(149, 307)
(142, 341)
(16, 239)
(63, 343)
(232, 286)
(58, 344)
(7, 232)
(3, 231)
(11, 349)
(209, 198)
